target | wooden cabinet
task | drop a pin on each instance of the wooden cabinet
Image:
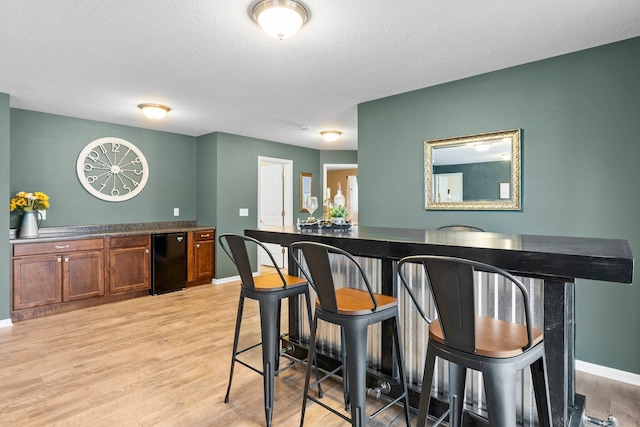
(55, 272)
(129, 263)
(200, 257)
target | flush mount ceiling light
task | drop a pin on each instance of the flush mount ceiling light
(330, 135)
(280, 18)
(154, 111)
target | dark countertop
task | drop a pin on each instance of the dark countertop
(89, 231)
(545, 256)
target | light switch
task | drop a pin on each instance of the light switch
(176, 211)
(244, 212)
(43, 214)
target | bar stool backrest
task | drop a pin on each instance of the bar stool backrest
(319, 274)
(452, 286)
(235, 246)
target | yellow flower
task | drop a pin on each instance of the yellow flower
(24, 201)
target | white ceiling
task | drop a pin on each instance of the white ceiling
(219, 71)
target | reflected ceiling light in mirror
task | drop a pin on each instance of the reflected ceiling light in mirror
(280, 18)
(330, 135)
(154, 111)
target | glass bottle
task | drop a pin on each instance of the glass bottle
(339, 199)
(327, 204)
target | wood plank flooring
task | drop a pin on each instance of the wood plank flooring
(150, 361)
(161, 361)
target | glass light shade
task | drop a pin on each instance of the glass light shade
(154, 111)
(330, 135)
(280, 18)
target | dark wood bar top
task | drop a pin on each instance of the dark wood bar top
(564, 258)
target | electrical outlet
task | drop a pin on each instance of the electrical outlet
(176, 211)
(244, 212)
(43, 214)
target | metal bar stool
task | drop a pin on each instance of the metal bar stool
(497, 348)
(268, 289)
(353, 310)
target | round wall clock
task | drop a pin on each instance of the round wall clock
(112, 169)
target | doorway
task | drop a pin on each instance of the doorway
(346, 174)
(275, 202)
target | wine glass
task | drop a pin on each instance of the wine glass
(311, 204)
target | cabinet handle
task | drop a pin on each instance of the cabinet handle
(66, 259)
(197, 245)
(204, 235)
(62, 246)
(146, 251)
(59, 259)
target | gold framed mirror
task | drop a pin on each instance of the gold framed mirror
(306, 188)
(473, 172)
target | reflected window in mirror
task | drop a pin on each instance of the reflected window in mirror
(474, 172)
(306, 189)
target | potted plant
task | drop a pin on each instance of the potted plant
(339, 214)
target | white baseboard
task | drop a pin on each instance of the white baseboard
(226, 280)
(5, 323)
(606, 372)
(229, 279)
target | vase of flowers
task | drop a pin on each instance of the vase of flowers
(29, 205)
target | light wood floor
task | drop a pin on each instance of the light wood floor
(162, 361)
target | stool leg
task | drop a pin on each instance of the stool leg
(356, 340)
(500, 388)
(425, 393)
(311, 355)
(400, 359)
(541, 391)
(235, 345)
(345, 371)
(457, 377)
(312, 359)
(268, 326)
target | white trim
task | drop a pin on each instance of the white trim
(224, 280)
(606, 372)
(5, 323)
(230, 279)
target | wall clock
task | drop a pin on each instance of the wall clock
(112, 169)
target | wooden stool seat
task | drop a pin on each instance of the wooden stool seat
(494, 337)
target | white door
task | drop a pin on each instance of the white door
(274, 202)
(448, 187)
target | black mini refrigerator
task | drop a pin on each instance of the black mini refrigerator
(169, 262)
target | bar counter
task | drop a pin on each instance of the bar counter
(556, 260)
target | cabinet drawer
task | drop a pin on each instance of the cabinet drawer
(204, 235)
(129, 241)
(59, 246)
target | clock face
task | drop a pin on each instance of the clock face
(112, 169)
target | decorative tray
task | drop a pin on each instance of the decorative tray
(324, 225)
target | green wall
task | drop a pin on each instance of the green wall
(232, 169)
(44, 150)
(580, 119)
(4, 213)
(337, 157)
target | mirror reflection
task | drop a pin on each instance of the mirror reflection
(306, 189)
(474, 172)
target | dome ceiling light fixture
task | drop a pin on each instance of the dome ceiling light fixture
(280, 18)
(154, 111)
(330, 135)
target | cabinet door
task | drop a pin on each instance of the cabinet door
(129, 269)
(204, 259)
(82, 275)
(37, 281)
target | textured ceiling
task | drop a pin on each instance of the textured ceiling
(219, 71)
